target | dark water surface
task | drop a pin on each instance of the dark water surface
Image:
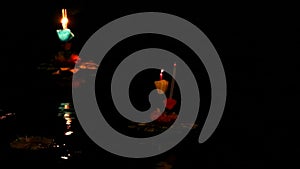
(257, 48)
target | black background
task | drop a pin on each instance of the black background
(258, 45)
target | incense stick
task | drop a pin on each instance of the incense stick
(173, 81)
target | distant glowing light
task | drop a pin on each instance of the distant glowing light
(68, 121)
(68, 133)
(64, 157)
(66, 106)
(66, 115)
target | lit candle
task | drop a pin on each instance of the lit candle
(161, 74)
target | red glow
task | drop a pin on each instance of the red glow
(74, 58)
(170, 103)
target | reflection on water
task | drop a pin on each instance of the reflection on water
(67, 114)
(70, 145)
(75, 153)
(66, 111)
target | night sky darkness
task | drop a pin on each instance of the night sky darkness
(256, 45)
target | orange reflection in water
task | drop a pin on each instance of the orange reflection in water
(68, 119)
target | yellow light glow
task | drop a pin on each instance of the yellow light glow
(68, 133)
(68, 121)
(64, 20)
(64, 157)
(66, 115)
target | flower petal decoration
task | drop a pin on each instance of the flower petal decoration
(170, 103)
(161, 86)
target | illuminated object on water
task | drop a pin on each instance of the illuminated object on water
(64, 34)
(161, 85)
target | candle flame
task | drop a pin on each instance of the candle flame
(64, 20)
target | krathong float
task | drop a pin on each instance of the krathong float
(161, 85)
(65, 33)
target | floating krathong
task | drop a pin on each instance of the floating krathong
(65, 33)
(161, 85)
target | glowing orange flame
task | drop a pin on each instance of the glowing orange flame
(64, 20)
